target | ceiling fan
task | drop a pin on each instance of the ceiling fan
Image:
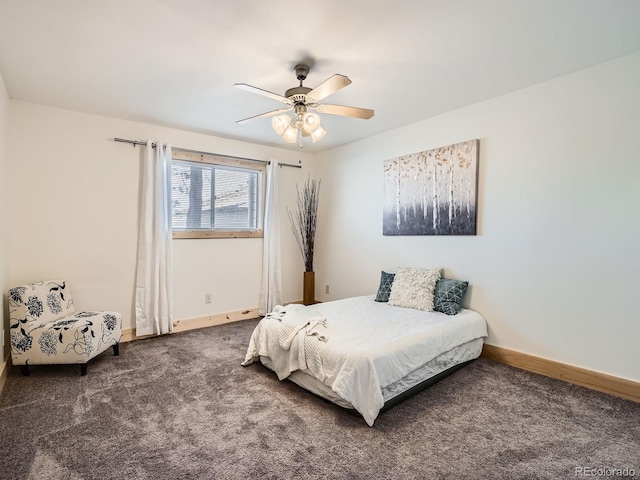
(301, 100)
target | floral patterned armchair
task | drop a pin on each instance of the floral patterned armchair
(45, 329)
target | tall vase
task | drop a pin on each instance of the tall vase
(309, 288)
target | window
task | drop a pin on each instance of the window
(215, 197)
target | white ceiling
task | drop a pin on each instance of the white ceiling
(174, 62)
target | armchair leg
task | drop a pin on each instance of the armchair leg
(116, 349)
(25, 370)
(83, 369)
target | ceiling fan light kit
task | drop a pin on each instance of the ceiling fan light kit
(300, 100)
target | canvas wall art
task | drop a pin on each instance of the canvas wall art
(432, 192)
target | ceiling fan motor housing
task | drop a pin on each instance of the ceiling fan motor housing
(297, 94)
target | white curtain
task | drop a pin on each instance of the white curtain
(271, 291)
(154, 290)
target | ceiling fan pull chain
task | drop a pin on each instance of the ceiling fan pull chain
(300, 152)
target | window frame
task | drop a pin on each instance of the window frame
(225, 162)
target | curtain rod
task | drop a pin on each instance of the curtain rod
(199, 152)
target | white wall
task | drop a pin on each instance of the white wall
(555, 266)
(73, 213)
(4, 116)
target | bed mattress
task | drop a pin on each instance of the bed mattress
(373, 350)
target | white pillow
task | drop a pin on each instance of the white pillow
(413, 288)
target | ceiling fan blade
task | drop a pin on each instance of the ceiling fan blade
(264, 115)
(345, 111)
(328, 87)
(260, 91)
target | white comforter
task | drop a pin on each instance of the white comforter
(370, 345)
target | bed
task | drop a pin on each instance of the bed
(366, 355)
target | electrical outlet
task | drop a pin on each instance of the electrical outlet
(207, 298)
(326, 289)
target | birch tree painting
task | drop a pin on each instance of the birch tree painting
(432, 192)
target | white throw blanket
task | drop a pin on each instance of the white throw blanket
(301, 331)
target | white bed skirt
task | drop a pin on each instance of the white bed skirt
(460, 354)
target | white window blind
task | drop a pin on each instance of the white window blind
(208, 196)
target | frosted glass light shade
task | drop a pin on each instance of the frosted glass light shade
(280, 123)
(290, 134)
(310, 122)
(318, 133)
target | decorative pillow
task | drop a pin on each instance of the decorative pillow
(448, 295)
(413, 288)
(384, 290)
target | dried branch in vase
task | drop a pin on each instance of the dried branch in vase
(303, 221)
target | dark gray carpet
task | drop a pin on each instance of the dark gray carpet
(181, 406)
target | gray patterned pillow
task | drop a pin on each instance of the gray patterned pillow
(384, 290)
(448, 295)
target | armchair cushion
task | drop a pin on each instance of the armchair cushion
(42, 301)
